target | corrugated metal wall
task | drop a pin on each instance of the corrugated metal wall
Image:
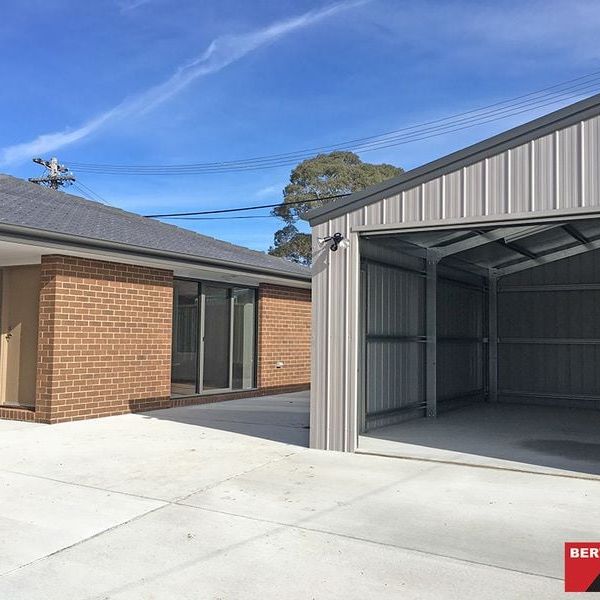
(393, 310)
(549, 333)
(394, 336)
(556, 172)
(461, 351)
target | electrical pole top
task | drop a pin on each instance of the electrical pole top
(56, 175)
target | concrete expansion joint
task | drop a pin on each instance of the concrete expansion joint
(346, 536)
(87, 539)
(240, 474)
(164, 503)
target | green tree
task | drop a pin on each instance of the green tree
(339, 172)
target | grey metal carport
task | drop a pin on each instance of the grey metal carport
(473, 279)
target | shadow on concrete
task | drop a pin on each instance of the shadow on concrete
(551, 437)
(566, 449)
(280, 418)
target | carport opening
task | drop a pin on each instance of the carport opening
(501, 322)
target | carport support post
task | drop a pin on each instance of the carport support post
(492, 338)
(431, 334)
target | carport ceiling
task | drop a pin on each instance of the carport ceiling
(500, 250)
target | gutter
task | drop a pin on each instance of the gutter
(18, 232)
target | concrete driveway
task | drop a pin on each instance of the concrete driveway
(225, 502)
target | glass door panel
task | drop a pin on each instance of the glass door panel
(184, 359)
(244, 325)
(217, 338)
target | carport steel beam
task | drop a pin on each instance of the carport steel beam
(492, 338)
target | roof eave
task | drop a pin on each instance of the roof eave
(19, 232)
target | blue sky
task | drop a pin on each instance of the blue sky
(159, 82)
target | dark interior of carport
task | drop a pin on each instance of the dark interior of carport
(501, 322)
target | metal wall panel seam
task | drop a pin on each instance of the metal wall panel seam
(582, 154)
(508, 181)
(486, 194)
(403, 207)
(556, 201)
(443, 194)
(532, 174)
(463, 191)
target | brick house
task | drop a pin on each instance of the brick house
(105, 312)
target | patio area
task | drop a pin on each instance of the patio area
(227, 500)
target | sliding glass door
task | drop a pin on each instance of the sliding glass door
(244, 338)
(214, 338)
(216, 372)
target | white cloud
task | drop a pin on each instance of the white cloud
(222, 52)
(500, 31)
(129, 5)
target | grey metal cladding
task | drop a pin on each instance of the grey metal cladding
(460, 343)
(395, 354)
(512, 138)
(31, 208)
(549, 333)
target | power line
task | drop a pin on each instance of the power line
(378, 139)
(511, 107)
(225, 218)
(242, 208)
(81, 191)
(95, 195)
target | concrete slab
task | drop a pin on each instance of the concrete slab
(460, 512)
(534, 438)
(7, 426)
(273, 418)
(137, 454)
(206, 503)
(185, 553)
(39, 517)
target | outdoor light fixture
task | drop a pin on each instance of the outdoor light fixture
(337, 241)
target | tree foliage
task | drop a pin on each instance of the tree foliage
(339, 172)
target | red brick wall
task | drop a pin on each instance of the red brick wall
(104, 339)
(104, 343)
(284, 317)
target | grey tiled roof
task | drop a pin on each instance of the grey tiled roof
(29, 205)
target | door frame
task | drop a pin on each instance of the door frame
(202, 285)
(4, 322)
(201, 320)
(3, 354)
